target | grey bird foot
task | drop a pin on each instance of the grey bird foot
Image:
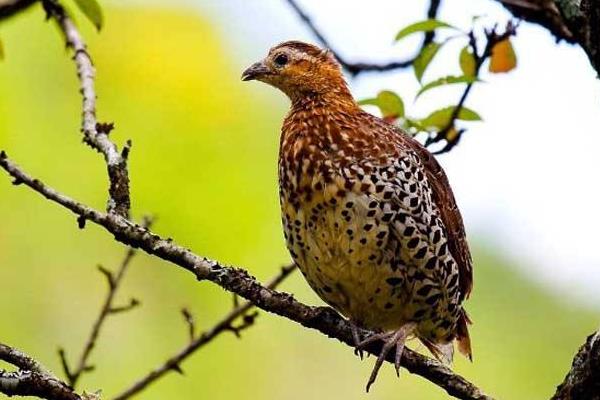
(390, 339)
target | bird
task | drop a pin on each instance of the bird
(368, 213)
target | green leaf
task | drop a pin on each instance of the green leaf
(446, 80)
(410, 124)
(424, 58)
(467, 61)
(92, 11)
(389, 103)
(427, 25)
(441, 118)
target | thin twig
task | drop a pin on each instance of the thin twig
(492, 39)
(189, 320)
(31, 379)
(95, 134)
(237, 280)
(226, 324)
(114, 281)
(355, 68)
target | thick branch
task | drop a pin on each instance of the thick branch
(583, 380)
(238, 281)
(28, 383)
(10, 7)
(174, 362)
(20, 359)
(355, 68)
(32, 378)
(576, 21)
(95, 134)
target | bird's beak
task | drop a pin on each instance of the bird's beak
(255, 71)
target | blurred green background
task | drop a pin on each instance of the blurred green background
(204, 162)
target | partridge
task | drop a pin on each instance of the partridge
(368, 214)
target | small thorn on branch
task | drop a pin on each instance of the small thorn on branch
(81, 222)
(147, 221)
(247, 321)
(126, 149)
(177, 368)
(89, 368)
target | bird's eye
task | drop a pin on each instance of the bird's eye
(281, 60)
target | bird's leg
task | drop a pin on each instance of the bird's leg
(391, 339)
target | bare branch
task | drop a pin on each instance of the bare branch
(32, 378)
(238, 281)
(114, 280)
(95, 134)
(189, 320)
(28, 383)
(11, 7)
(173, 363)
(20, 359)
(133, 303)
(583, 380)
(355, 68)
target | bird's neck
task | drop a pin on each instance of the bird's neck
(336, 97)
(315, 125)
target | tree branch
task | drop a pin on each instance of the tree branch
(11, 7)
(114, 281)
(238, 281)
(492, 39)
(576, 21)
(226, 324)
(583, 380)
(355, 68)
(32, 378)
(95, 134)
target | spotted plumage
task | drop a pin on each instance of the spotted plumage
(367, 212)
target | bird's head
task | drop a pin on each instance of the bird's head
(299, 69)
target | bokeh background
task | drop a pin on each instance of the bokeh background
(204, 162)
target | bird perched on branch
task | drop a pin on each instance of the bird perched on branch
(368, 214)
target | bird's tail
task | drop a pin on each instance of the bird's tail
(445, 351)
(462, 335)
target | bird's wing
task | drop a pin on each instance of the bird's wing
(449, 212)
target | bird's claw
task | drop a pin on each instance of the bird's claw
(358, 351)
(390, 339)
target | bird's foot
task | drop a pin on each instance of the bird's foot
(390, 339)
(358, 351)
